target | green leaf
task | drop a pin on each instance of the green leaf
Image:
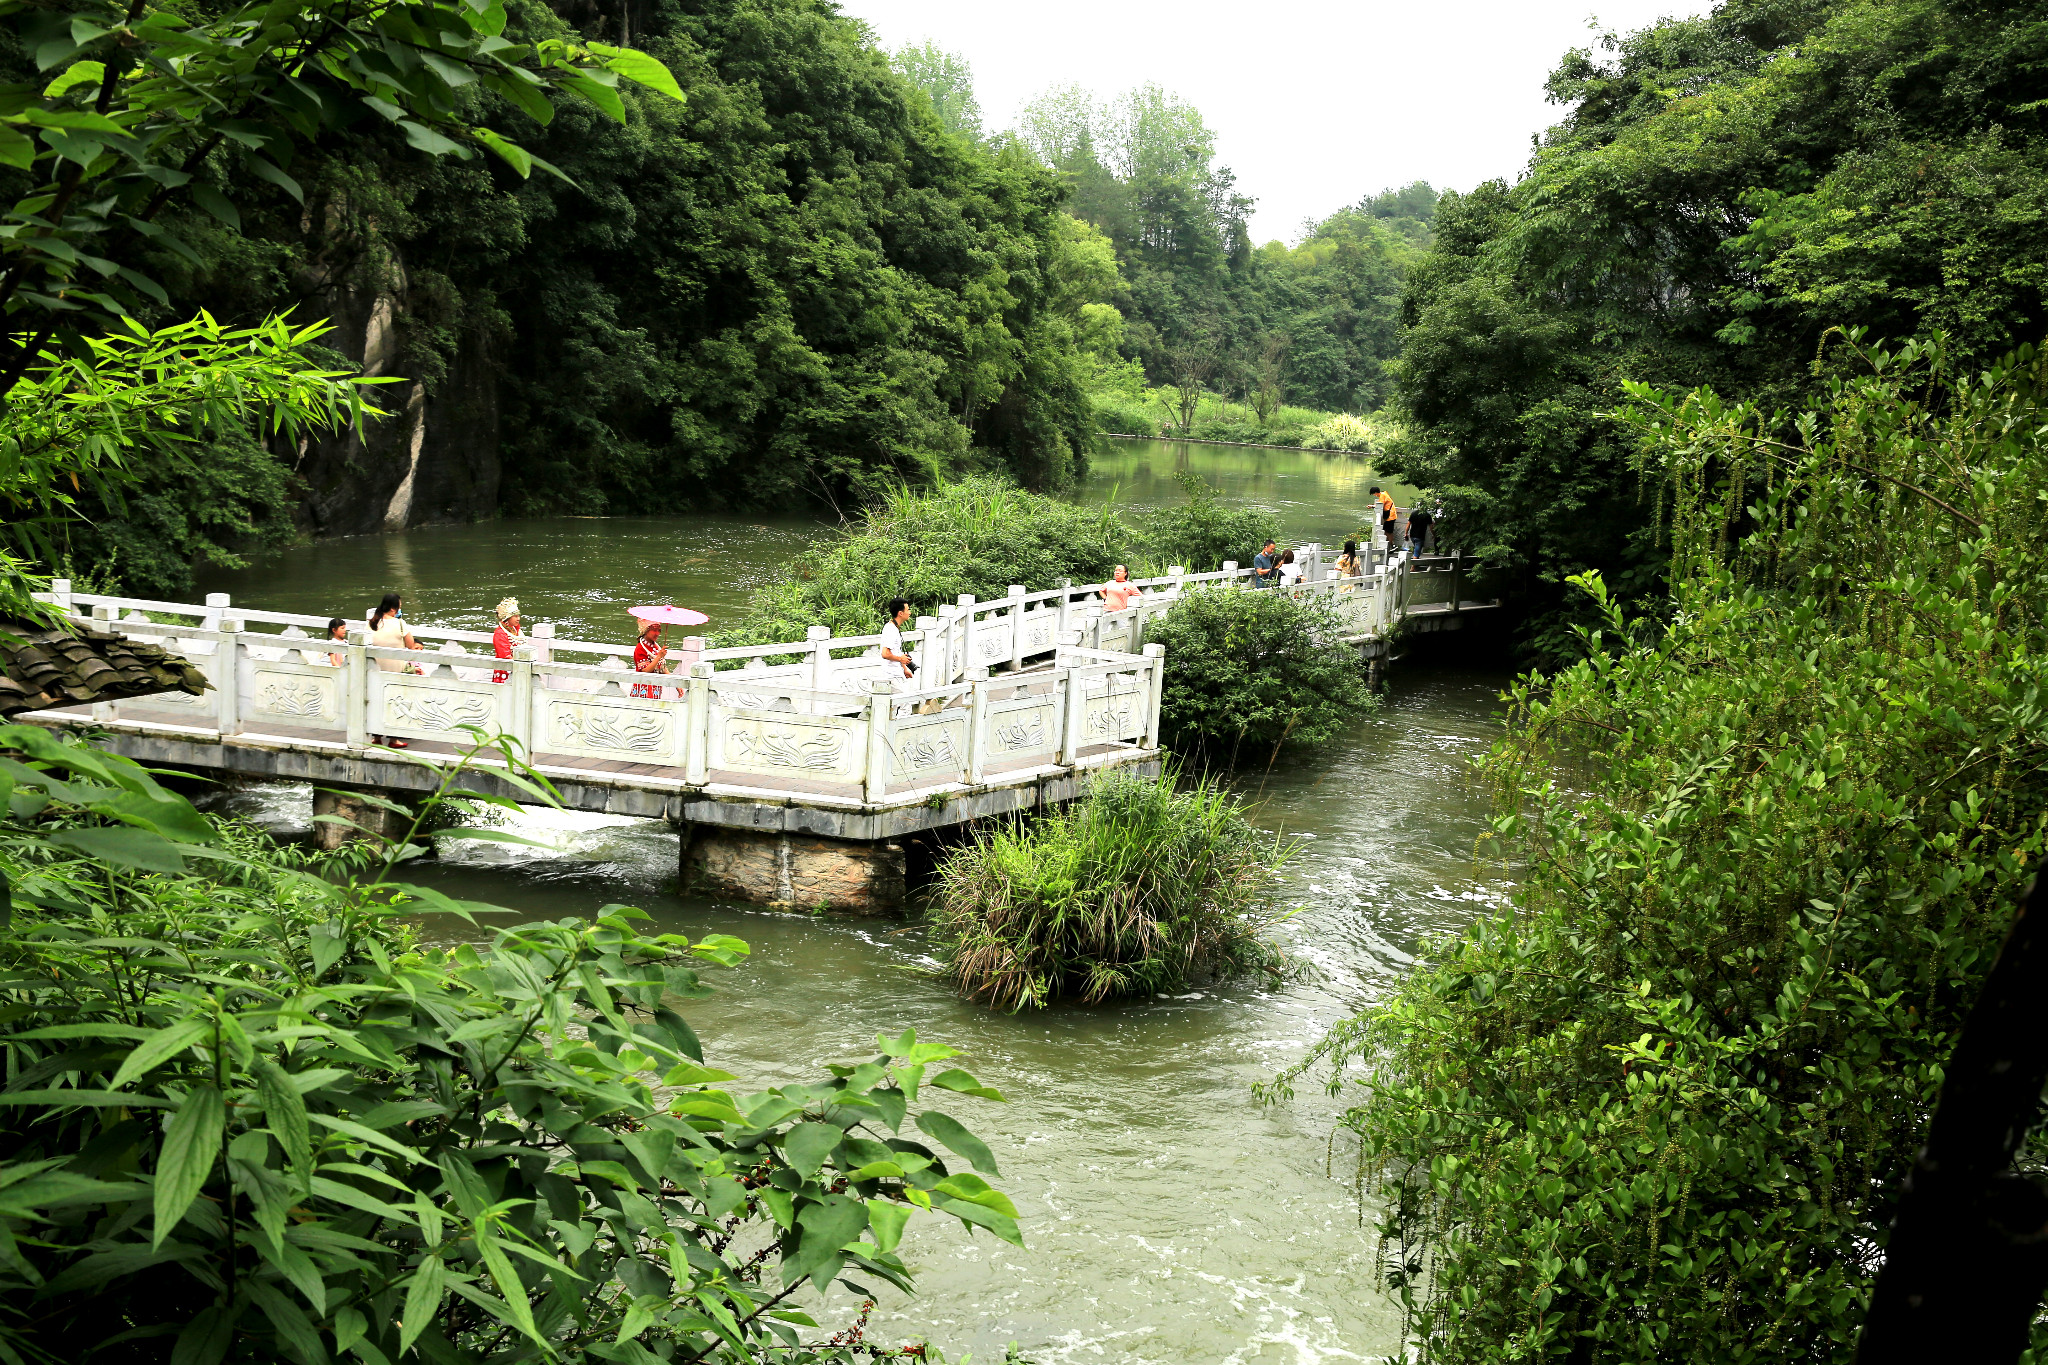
(950, 1132)
(806, 1146)
(827, 1226)
(975, 1190)
(1001, 1224)
(433, 144)
(123, 846)
(161, 1045)
(216, 203)
(641, 69)
(512, 153)
(422, 1301)
(509, 1285)
(888, 1221)
(78, 73)
(965, 1084)
(603, 96)
(16, 149)
(286, 1110)
(206, 1338)
(263, 169)
(190, 1147)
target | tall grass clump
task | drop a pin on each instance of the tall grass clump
(1139, 887)
(977, 535)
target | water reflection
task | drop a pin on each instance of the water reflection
(1318, 497)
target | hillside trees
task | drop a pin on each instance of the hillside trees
(1720, 192)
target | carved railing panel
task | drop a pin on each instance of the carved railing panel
(784, 744)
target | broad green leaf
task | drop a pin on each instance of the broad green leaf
(286, 1110)
(512, 153)
(205, 1339)
(603, 96)
(888, 1221)
(806, 1146)
(641, 69)
(508, 1284)
(123, 846)
(216, 203)
(433, 144)
(975, 1190)
(78, 73)
(956, 1138)
(160, 1046)
(826, 1226)
(16, 149)
(965, 1084)
(1001, 1224)
(190, 1147)
(422, 1300)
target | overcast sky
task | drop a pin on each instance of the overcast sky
(1314, 104)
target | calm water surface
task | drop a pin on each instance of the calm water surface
(1170, 1219)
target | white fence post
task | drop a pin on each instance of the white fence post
(1071, 730)
(821, 657)
(227, 678)
(1016, 627)
(1155, 685)
(965, 621)
(880, 699)
(60, 594)
(103, 617)
(521, 683)
(1059, 625)
(932, 646)
(977, 722)
(357, 699)
(697, 722)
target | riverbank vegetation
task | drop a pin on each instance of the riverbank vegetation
(254, 1115)
(1669, 1099)
(1140, 887)
(1251, 672)
(1719, 192)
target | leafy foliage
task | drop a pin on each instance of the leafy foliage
(135, 403)
(145, 96)
(1202, 532)
(250, 1116)
(976, 535)
(1721, 190)
(1251, 670)
(1772, 847)
(1139, 887)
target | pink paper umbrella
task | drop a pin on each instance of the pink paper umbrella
(670, 615)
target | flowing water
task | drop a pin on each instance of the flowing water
(1170, 1219)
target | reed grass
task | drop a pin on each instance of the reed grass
(1138, 888)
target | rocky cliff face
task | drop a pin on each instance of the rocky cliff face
(434, 456)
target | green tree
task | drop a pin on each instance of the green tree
(946, 80)
(1766, 853)
(1720, 191)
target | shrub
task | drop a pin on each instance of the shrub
(1344, 432)
(1250, 670)
(1663, 1109)
(1203, 533)
(250, 1117)
(1125, 415)
(1134, 889)
(978, 536)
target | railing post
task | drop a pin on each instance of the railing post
(1070, 731)
(103, 618)
(1092, 627)
(60, 595)
(1457, 581)
(932, 647)
(1156, 684)
(1230, 567)
(1016, 627)
(697, 724)
(357, 702)
(1060, 626)
(216, 603)
(1176, 572)
(821, 657)
(880, 699)
(227, 681)
(977, 742)
(522, 697)
(965, 620)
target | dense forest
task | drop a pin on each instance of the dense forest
(1721, 192)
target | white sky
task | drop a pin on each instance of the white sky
(1314, 104)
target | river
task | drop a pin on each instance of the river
(1170, 1220)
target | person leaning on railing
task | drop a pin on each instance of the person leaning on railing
(1120, 592)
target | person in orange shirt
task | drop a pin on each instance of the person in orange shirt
(1390, 518)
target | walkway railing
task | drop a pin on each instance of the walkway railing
(1005, 690)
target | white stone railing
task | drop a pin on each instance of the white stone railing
(1018, 685)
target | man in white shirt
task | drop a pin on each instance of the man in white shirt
(892, 635)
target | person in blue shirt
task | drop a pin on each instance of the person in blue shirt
(1265, 567)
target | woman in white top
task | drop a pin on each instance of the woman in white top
(387, 631)
(1290, 572)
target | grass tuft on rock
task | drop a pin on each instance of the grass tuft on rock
(1138, 888)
